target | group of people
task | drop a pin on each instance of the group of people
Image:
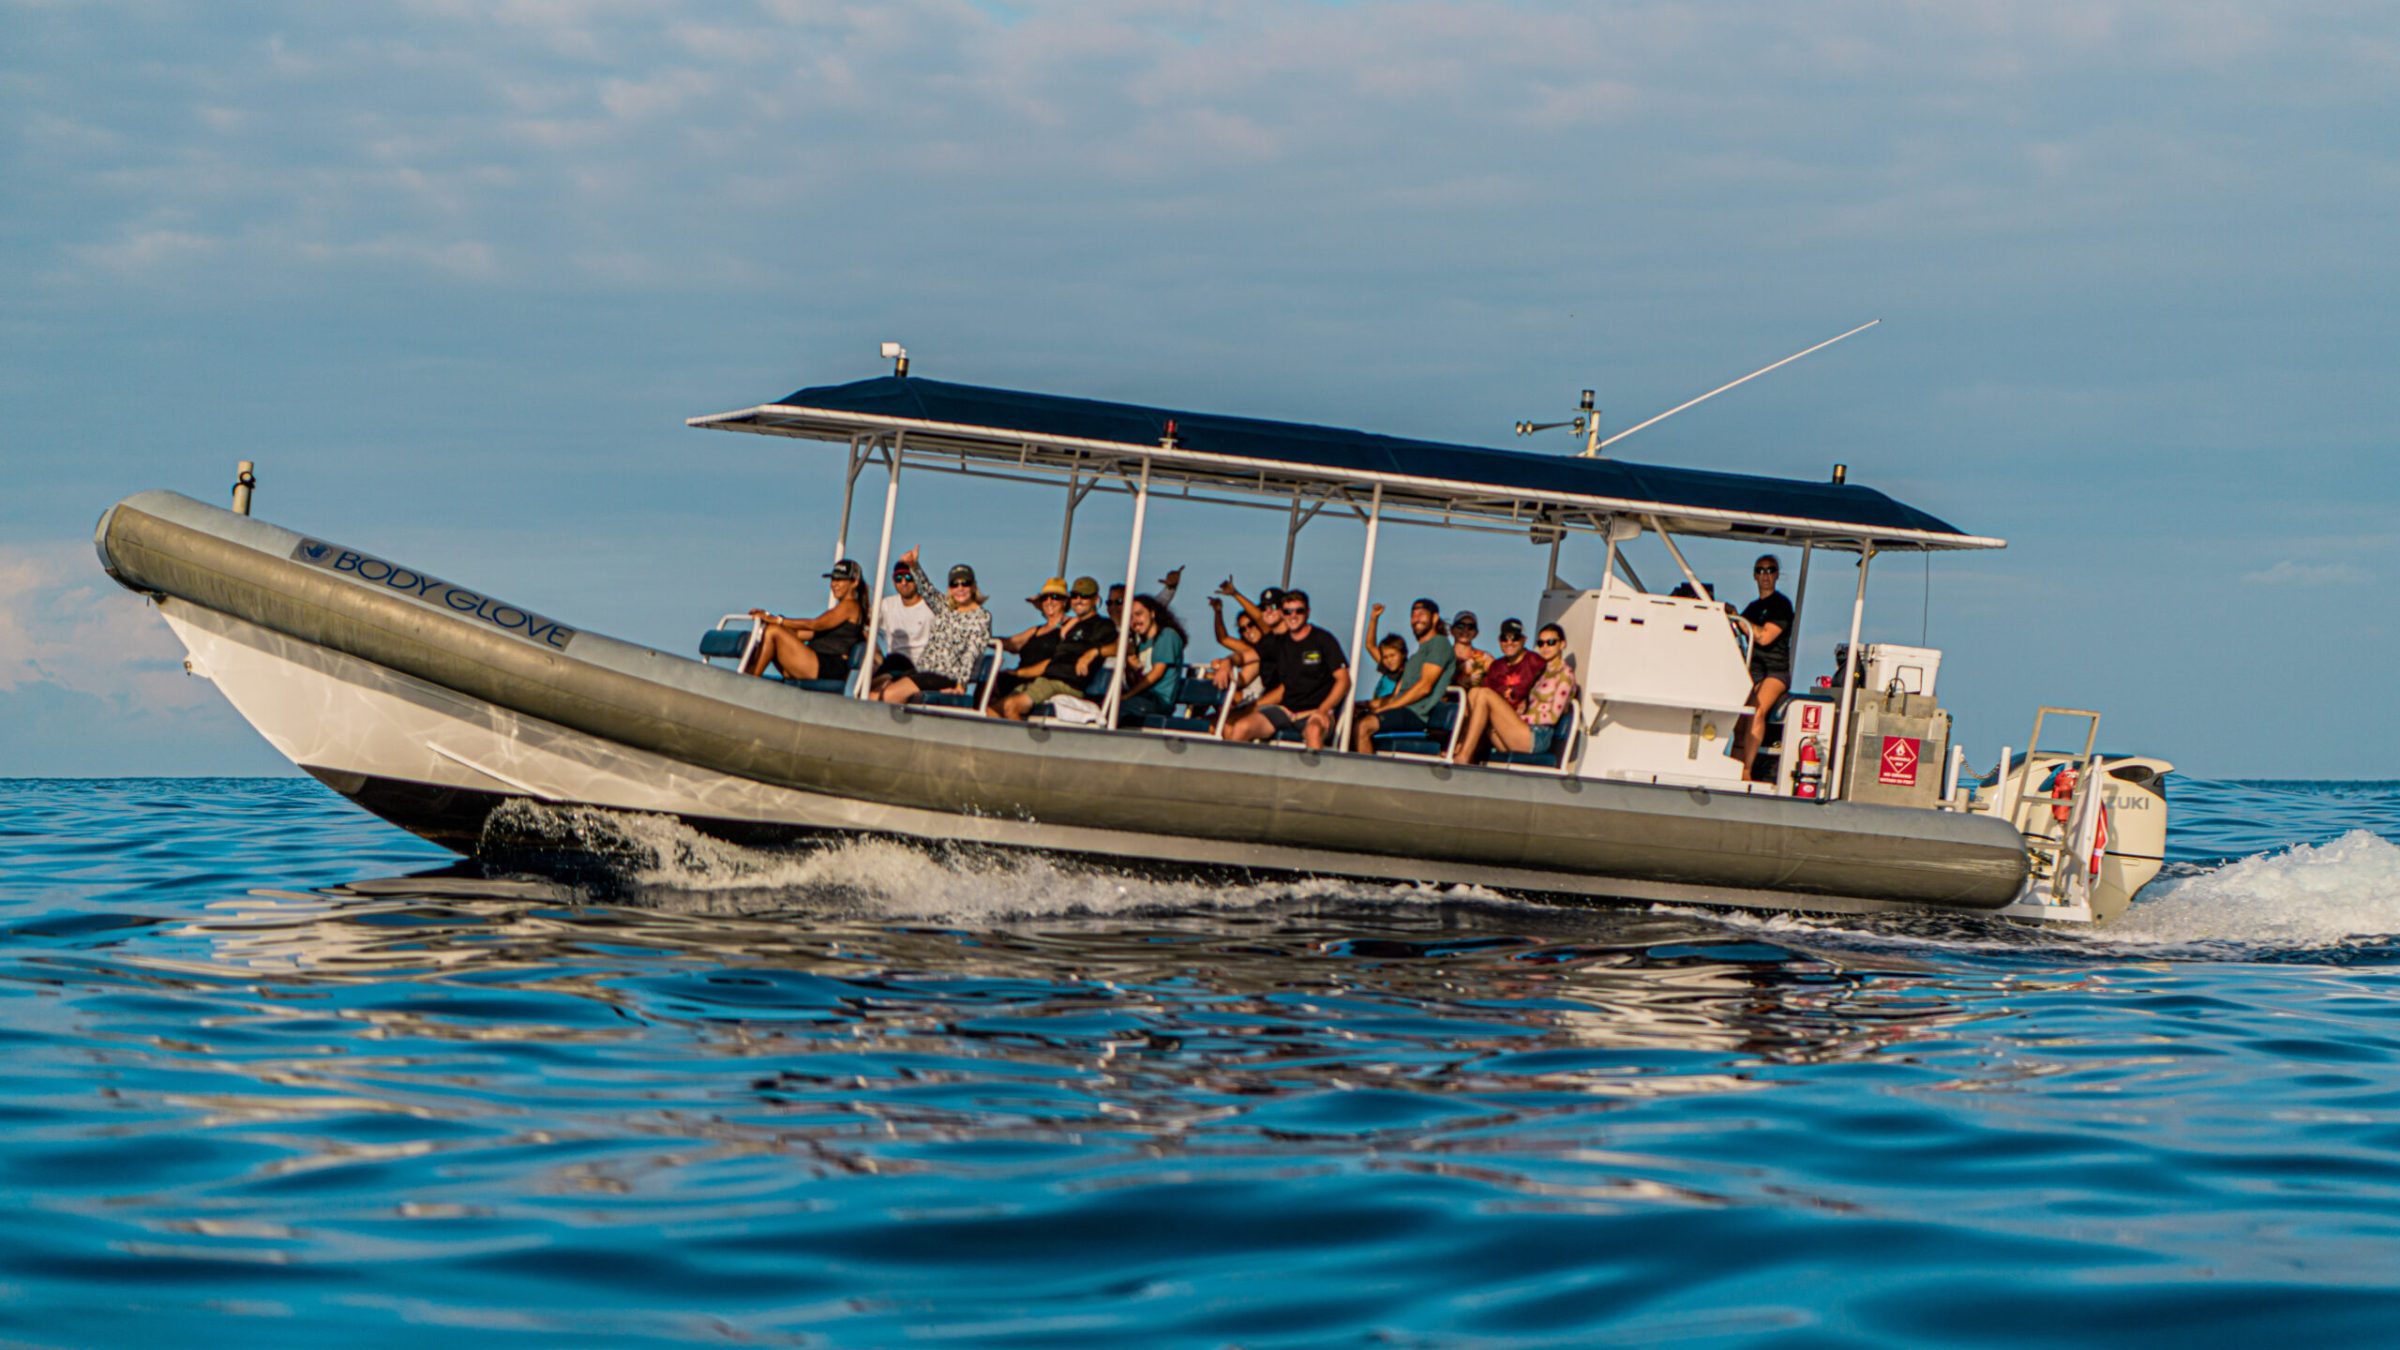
(931, 641)
(1284, 673)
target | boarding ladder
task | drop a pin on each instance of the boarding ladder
(2065, 856)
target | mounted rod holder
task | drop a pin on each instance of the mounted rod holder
(245, 480)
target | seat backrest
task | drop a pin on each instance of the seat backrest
(1199, 697)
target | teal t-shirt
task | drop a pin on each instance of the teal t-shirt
(1165, 648)
(1436, 651)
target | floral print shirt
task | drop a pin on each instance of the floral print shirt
(1553, 694)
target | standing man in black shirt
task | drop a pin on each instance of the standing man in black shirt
(1305, 677)
(1768, 621)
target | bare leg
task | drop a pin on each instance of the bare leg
(786, 652)
(1015, 708)
(1470, 736)
(1363, 731)
(899, 691)
(1754, 727)
(1509, 731)
(1313, 730)
(1250, 726)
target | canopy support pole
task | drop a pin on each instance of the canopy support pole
(1677, 554)
(1841, 742)
(1358, 622)
(1550, 579)
(1133, 568)
(1291, 538)
(1066, 529)
(1800, 594)
(883, 565)
(841, 537)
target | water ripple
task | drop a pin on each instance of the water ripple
(277, 1066)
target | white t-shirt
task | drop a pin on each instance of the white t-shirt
(900, 629)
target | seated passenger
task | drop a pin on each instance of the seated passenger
(1473, 661)
(1514, 671)
(1034, 646)
(1085, 638)
(1307, 680)
(1423, 679)
(1165, 593)
(1535, 730)
(1236, 674)
(1390, 655)
(1153, 663)
(953, 643)
(818, 648)
(902, 620)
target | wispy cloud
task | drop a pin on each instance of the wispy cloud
(2290, 573)
(64, 624)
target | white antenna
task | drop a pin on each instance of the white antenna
(1594, 451)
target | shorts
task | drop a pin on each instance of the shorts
(1543, 739)
(894, 666)
(1758, 672)
(832, 667)
(1042, 689)
(932, 682)
(1401, 721)
(1280, 717)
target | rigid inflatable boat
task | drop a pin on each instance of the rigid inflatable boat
(431, 703)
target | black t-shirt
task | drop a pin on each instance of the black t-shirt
(1770, 658)
(1305, 667)
(1042, 646)
(1094, 632)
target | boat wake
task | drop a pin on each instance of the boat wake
(2345, 891)
(657, 860)
(2339, 898)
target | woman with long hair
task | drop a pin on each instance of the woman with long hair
(955, 642)
(1533, 731)
(818, 648)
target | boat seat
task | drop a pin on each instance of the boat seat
(858, 653)
(723, 642)
(977, 691)
(1552, 758)
(1199, 706)
(1440, 734)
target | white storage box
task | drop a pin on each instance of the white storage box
(1913, 667)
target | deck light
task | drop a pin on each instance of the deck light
(898, 356)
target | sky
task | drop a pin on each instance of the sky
(453, 273)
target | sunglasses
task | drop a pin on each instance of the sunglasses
(1295, 609)
(1545, 642)
(1762, 571)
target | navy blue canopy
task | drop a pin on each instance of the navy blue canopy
(1460, 479)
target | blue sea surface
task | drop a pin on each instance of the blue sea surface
(283, 1075)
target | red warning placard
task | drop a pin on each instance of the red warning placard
(1899, 761)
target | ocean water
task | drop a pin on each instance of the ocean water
(281, 1075)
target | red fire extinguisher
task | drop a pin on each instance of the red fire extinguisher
(1809, 774)
(2062, 791)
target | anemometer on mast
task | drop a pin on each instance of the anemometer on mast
(1587, 417)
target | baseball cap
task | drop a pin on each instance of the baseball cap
(1270, 597)
(845, 570)
(1512, 630)
(1086, 586)
(962, 574)
(1422, 603)
(1465, 618)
